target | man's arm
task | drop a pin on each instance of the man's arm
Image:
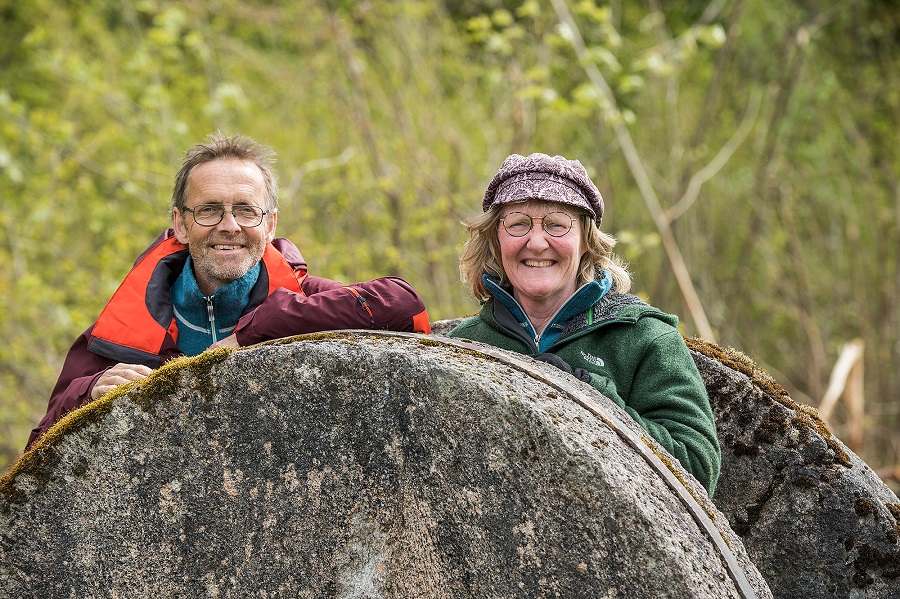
(386, 303)
(84, 377)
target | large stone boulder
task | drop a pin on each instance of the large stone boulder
(360, 465)
(816, 520)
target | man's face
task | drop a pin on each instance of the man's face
(226, 251)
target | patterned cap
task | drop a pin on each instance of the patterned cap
(543, 177)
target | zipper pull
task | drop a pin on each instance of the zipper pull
(212, 318)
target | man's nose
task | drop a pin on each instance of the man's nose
(228, 222)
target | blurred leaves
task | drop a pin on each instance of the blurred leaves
(390, 118)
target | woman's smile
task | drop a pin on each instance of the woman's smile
(541, 268)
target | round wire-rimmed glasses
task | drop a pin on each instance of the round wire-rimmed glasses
(210, 215)
(556, 224)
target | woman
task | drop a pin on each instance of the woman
(550, 287)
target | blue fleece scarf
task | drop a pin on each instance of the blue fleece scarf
(583, 299)
(204, 320)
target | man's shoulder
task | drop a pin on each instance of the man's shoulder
(167, 236)
(290, 253)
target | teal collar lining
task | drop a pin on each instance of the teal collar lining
(581, 301)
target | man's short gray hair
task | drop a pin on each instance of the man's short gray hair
(218, 146)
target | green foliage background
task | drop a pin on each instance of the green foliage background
(389, 118)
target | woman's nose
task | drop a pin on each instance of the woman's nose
(537, 237)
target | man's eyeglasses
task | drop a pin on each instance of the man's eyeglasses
(210, 215)
(556, 224)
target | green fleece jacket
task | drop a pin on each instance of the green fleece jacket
(636, 357)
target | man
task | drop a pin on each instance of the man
(219, 278)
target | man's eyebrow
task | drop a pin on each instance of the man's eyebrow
(235, 202)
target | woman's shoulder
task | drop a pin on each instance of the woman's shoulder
(631, 308)
(466, 324)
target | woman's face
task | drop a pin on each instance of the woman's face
(542, 269)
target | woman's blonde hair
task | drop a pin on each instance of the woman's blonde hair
(481, 253)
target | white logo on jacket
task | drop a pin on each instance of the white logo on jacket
(595, 360)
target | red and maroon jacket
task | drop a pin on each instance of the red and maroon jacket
(137, 326)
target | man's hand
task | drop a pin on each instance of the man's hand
(230, 341)
(118, 374)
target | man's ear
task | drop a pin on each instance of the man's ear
(270, 227)
(181, 230)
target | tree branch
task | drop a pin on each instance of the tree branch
(719, 160)
(639, 172)
(316, 165)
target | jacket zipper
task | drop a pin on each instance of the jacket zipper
(525, 336)
(537, 340)
(592, 326)
(362, 302)
(212, 318)
(537, 336)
